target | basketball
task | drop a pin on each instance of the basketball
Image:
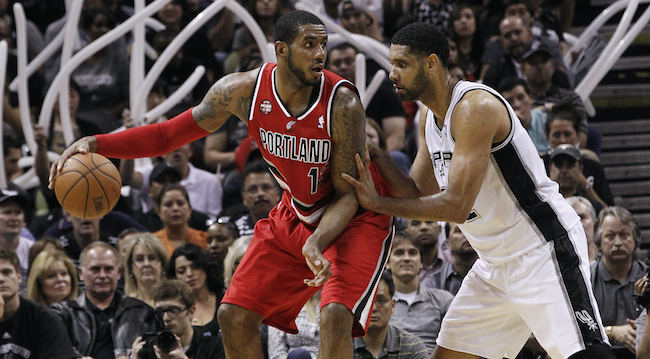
(88, 186)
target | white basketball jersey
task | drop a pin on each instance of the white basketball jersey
(518, 207)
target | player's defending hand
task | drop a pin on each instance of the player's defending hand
(364, 187)
(83, 145)
(317, 263)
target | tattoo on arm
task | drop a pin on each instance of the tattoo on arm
(348, 130)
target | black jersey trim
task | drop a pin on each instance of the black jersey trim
(545, 219)
(369, 295)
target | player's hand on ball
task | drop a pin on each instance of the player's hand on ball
(364, 187)
(83, 145)
(317, 263)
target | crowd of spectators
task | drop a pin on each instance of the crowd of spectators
(164, 256)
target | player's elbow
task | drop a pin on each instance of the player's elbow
(460, 213)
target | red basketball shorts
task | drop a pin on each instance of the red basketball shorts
(269, 279)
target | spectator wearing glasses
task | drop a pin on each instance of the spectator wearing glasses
(175, 307)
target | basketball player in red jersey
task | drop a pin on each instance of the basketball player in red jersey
(309, 123)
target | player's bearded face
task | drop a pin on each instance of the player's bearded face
(300, 73)
(418, 85)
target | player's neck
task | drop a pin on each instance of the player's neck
(439, 98)
(294, 94)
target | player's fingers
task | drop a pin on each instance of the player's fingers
(351, 180)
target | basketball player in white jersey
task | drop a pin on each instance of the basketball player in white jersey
(476, 166)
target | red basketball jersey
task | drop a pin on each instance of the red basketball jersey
(298, 149)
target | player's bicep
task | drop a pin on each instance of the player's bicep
(478, 121)
(228, 96)
(349, 136)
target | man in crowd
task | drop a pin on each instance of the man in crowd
(81, 234)
(451, 275)
(517, 93)
(384, 341)
(175, 307)
(614, 275)
(260, 193)
(12, 220)
(566, 169)
(587, 214)
(27, 330)
(103, 323)
(433, 257)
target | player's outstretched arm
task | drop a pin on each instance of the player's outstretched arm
(349, 138)
(478, 121)
(230, 95)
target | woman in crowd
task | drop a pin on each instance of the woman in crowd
(173, 207)
(418, 310)
(144, 260)
(49, 244)
(52, 279)
(234, 256)
(192, 264)
(462, 27)
(221, 235)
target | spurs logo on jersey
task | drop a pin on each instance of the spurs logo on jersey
(585, 318)
(298, 147)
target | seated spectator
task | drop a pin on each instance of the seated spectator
(102, 78)
(30, 331)
(103, 323)
(587, 214)
(566, 169)
(246, 52)
(614, 275)
(517, 93)
(463, 256)
(164, 174)
(642, 331)
(234, 256)
(144, 261)
(385, 106)
(12, 220)
(418, 310)
(502, 58)
(178, 70)
(538, 68)
(526, 10)
(285, 345)
(356, 18)
(462, 28)
(434, 12)
(197, 46)
(45, 244)
(260, 193)
(432, 257)
(174, 305)
(220, 146)
(173, 207)
(382, 340)
(562, 127)
(52, 279)
(192, 265)
(221, 235)
(204, 189)
(82, 233)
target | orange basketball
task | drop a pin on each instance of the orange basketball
(89, 185)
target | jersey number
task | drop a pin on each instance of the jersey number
(313, 175)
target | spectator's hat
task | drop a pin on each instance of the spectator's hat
(17, 194)
(163, 169)
(566, 150)
(536, 47)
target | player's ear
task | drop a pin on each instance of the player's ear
(433, 62)
(281, 48)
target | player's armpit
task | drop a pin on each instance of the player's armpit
(231, 95)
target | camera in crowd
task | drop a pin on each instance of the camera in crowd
(644, 299)
(161, 337)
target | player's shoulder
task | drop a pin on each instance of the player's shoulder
(240, 81)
